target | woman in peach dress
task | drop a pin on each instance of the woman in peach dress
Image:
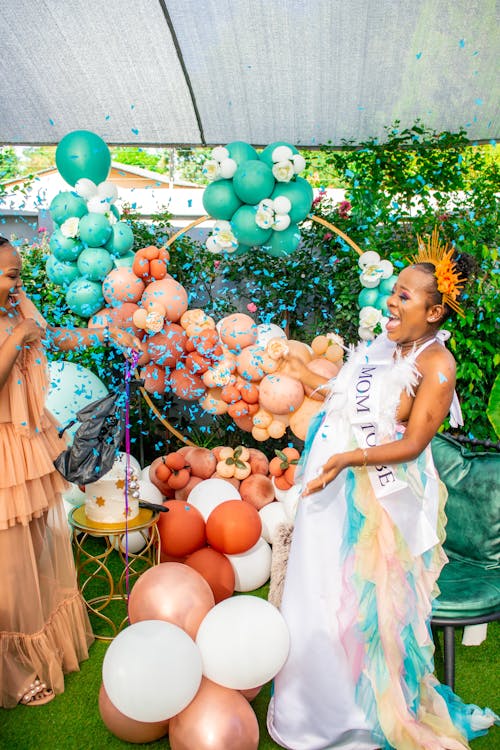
(44, 628)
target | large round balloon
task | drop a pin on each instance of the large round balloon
(299, 193)
(121, 240)
(237, 331)
(182, 529)
(219, 199)
(122, 285)
(284, 243)
(240, 151)
(84, 297)
(367, 297)
(267, 154)
(126, 729)
(210, 493)
(245, 229)
(83, 154)
(152, 670)
(215, 569)
(253, 181)
(94, 263)
(233, 527)
(95, 229)
(217, 719)
(174, 593)
(253, 567)
(280, 394)
(240, 620)
(66, 205)
(60, 272)
(71, 387)
(64, 248)
(169, 294)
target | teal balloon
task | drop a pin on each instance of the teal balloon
(67, 204)
(83, 154)
(95, 230)
(84, 297)
(241, 151)
(94, 263)
(219, 199)
(253, 181)
(114, 210)
(386, 285)
(283, 243)
(64, 248)
(125, 261)
(381, 303)
(367, 297)
(60, 272)
(300, 195)
(267, 155)
(246, 230)
(121, 239)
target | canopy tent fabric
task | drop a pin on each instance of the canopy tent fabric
(310, 72)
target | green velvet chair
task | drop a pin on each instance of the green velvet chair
(470, 582)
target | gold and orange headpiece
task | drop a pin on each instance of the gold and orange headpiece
(449, 282)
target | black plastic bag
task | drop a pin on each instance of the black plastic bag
(96, 442)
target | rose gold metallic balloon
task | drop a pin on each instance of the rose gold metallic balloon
(172, 592)
(127, 729)
(217, 718)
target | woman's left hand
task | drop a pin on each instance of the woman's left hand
(329, 472)
(125, 341)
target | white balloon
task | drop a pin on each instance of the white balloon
(267, 331)
(370, 282)
(291, 501)
(282, 153)
(97, 205)
(227, 168)
(85, 188)
(145, 473)
(244, 642)
(387, 268)
(152, 670)
(281, 222)
(210, 493)
(71, 387)
(282, 204)
(148, 492)
(136, 541)
(370, 258)
(74, 496)
(252, 568)
(299, 163)
(108, 192)
(220, 153)
(272, 515)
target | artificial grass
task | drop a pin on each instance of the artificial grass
(72, 721)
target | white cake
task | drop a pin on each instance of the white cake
(105, 499)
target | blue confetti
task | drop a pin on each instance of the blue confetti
(418, 55)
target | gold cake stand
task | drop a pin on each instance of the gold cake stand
(102, 569)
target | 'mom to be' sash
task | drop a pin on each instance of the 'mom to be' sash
(408, 512)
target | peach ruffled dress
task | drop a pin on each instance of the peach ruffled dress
(44, 628)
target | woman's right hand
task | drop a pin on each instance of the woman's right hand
(28, 332)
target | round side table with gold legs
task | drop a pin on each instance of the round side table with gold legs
(103, 576)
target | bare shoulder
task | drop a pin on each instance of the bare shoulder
(437, 359)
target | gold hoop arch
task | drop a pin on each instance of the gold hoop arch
(170, 241)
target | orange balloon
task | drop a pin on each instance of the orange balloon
(168, 293)
(217, 718)
(299, 420)
(233, 527)
(166, 347)
(172, 592)
(127, 729)
(182, 529)
(237, 331)
(215, 569)
(251, 362)
(122, 285)
(187, 386)
(280, 394)
(154, 378)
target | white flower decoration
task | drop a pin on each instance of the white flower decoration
(273, 214)
(282, 205)
(154, 321)
(369, 317)
(335, 339)
(70, 227)
(281, 222)
(264, 218)
(283, 171)
(373, 269)
(227, 168)
(211, 170)
(222, 238)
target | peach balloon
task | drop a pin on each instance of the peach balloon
(233, 527)
(186, 386)
(244, 422)
(183, 493)
(213, 403)
(154, 378)
(140, 317)
(259, 462)
(215, 569)
(299, 420)
(300, 350)
(324, 367)
(276, 429)
(122, 285)
(166, 347)
(251, 363)
(257, 490)
(237, 331)
(127, 729)
(168, 293)
(172, 592)
(280, 394)
(202, 461)
(218, 718)
(182, 529)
